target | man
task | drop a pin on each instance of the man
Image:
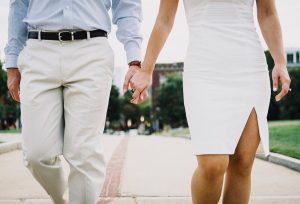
(59, 66)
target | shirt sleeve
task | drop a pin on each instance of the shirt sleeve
(17, 31)
(127, 15)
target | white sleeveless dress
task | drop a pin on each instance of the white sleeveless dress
(225, 75)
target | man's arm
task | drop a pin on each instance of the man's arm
(127, 15)
(17, 32)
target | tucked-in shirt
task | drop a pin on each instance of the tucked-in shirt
(56, 15)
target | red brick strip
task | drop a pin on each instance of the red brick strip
(114, 169)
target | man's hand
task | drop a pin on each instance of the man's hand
(281, 76)
(131, 71)
(139, 80)
(13, 82)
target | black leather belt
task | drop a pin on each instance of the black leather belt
(66, 35)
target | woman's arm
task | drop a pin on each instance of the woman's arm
(140, 79)
(161, 30)
(270, 26)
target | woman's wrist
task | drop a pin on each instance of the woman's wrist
(148, 67)
(282, 64)
(279, 60)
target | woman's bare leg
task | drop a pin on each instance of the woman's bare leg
(238, 176)
(207, 180)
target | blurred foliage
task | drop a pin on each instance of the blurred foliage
(120, 110)
(114, 105)
(130, 111)
(170, 101)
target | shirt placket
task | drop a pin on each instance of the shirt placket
(68, 14)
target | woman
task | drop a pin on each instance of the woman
(226, 88)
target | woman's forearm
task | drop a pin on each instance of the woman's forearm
(272, 33)
(160, 33)
(156, 42)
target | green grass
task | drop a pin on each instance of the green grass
(285, 138)
(11, 131)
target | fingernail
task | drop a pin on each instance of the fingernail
(274, 89)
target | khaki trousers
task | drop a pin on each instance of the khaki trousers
(64, 93)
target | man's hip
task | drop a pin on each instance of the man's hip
(63, 61)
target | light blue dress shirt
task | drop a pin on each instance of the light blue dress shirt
(55, 15)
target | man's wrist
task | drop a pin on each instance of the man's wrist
(135, 63)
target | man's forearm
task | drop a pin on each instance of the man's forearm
(127, 15)
(17, 32)
(129, 34)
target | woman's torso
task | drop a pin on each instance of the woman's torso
(223, 34)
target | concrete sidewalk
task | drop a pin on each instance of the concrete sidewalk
(155, 170)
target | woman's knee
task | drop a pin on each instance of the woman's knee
(213, 166)
(242, 164)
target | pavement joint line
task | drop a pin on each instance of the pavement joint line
(114, 170)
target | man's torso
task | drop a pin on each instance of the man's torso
(68, 14)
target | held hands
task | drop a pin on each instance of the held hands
(13, 82)
(280, 76)
(139, 80)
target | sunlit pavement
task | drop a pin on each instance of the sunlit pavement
(148, 170)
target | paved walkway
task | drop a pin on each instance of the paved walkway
(148, 170)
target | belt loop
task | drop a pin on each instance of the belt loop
(39, 35)
(72, 35)
(88, 35)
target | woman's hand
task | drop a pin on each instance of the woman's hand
(280, 76)
(140, 82)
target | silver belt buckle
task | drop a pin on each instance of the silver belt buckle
(60, 37)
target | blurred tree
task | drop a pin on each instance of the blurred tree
(290, 105)
(130, 111)
(114, 105)
(120, 110)
(145, 108)
(170, 101)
